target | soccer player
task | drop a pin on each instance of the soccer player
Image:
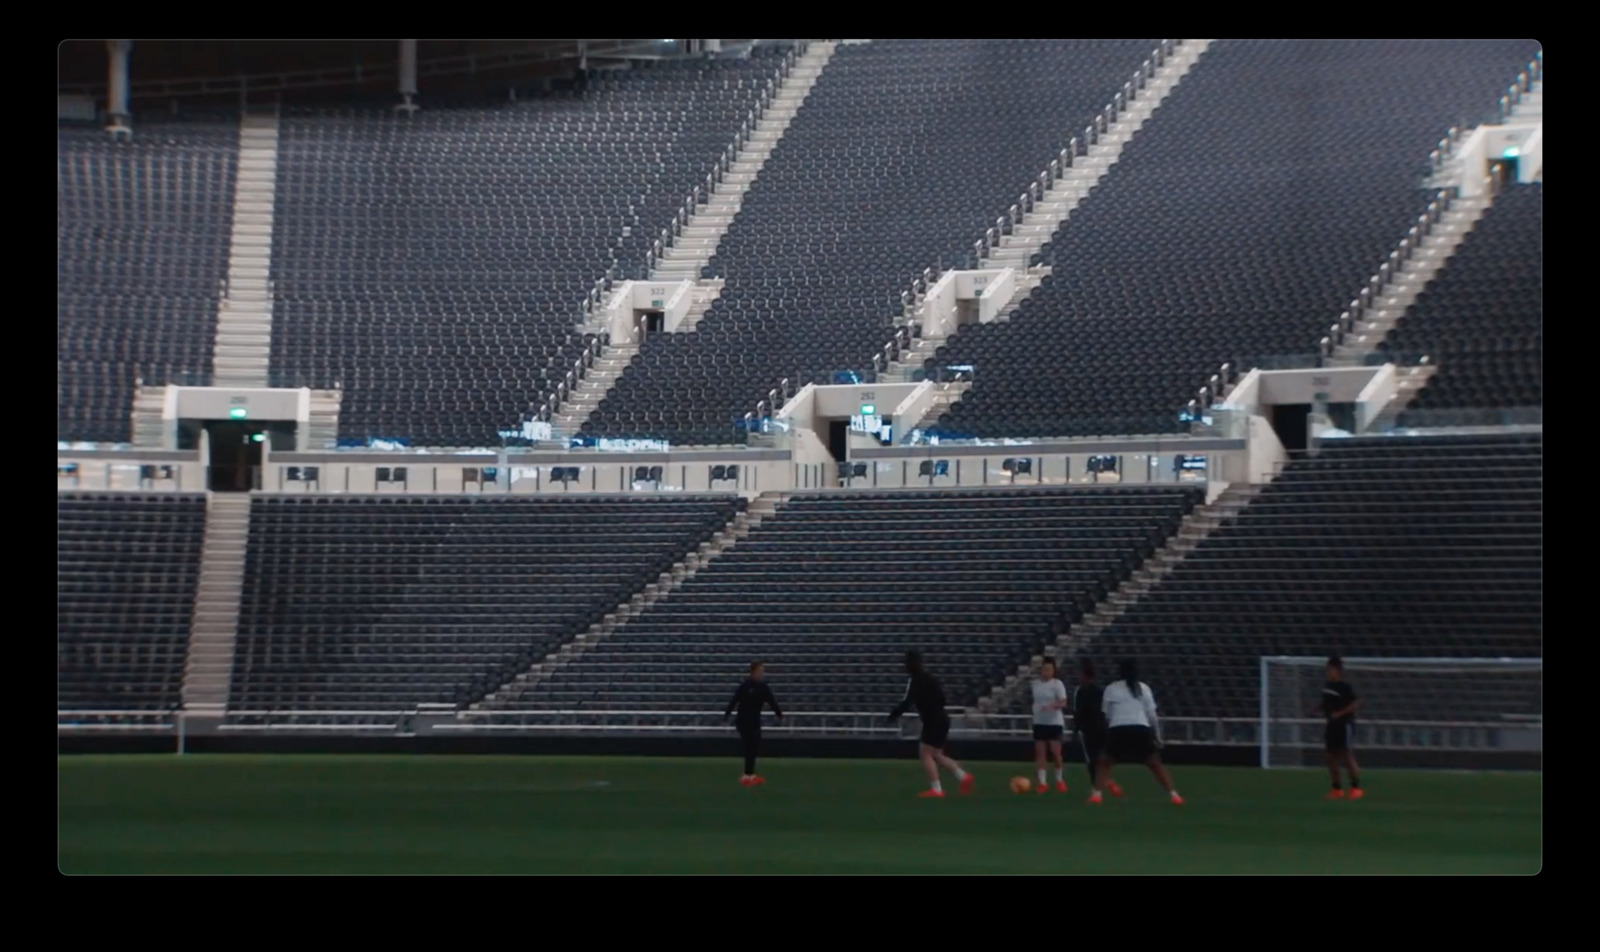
(1090, 721)
(1134, 732)
(1049, 723)
(754, 693)
(924, 693)
(1339, 703)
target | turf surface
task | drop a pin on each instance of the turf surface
(436, 814)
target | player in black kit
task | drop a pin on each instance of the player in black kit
(1090, 721)
(1339, 705)
(752, 696)
(924, 693)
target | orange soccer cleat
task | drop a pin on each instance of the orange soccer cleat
(1336, 794)
(757, 780)
(1357, 794)
(966, 784)
(1177, 801)
(1041, 788)
(1061, 786)
(1116, 791)
(1094, 797)
(745, 782)
(931, 795)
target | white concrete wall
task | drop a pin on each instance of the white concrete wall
(122, 475)
(939, 307)
(1341, 384)
(996, 295)
(1376, 395)
(214, 403)
(911, 409)
(1246, 395)
(801, 411)
(1490, 142)
(842, 401)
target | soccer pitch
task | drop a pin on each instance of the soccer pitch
(443, 814)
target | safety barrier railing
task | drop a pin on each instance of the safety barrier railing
(1175, 730)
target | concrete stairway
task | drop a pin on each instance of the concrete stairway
(149, 427)
(1414, 275)
(904, 370)
(1196, 526)
(209, 667)
(1411, 382)
(243, 346)
(943, 398)
(761, 508)
(1087, 170)
(693, 249)
(1057, 204)
(322, 431)
(592, 389)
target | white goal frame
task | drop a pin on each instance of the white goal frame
(1264, 728)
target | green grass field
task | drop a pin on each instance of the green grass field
(436, 814)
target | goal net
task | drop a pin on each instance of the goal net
(1467, 713)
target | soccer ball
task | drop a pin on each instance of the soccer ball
(1021, 784)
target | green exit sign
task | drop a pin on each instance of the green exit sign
(868, 409)
(238, 413)
(657, 303)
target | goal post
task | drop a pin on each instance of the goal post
(1463, 713)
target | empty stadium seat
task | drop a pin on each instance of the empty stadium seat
(379, 603)
(831, 590)
(126, 571)
(1237, 225)
(142, 237)
(1389, 547)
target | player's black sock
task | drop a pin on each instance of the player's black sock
(1355, 783)
(1336, 785)
(749, 766)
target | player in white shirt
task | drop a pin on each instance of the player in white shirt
(1134, 731)
(1049, 723)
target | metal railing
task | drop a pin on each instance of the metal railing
(1304, 734)
(1241, 732)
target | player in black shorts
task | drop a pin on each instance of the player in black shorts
(1339, 705)
(924, 693)
(1090, 721)
(753, 694)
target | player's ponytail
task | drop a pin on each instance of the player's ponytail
(1130, 675)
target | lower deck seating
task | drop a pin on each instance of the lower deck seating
(126, 571)
(834, 588)
(1398, 547)
(382, 603)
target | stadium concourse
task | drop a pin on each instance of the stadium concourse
(541, 408)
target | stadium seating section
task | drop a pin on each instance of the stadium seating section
(142, 237)
(832, 590)
(126, 571)
(900, 158)
(1481, 320)
(1425, 546)
(436, 265)
(379, 603)
(1238, 224)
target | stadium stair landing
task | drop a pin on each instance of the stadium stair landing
(243, 347)
(1204, 520)
(1432, 252)
(692, 250)
(761, 508)
(1088, 169)
(208, 670)
(1057, 204)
